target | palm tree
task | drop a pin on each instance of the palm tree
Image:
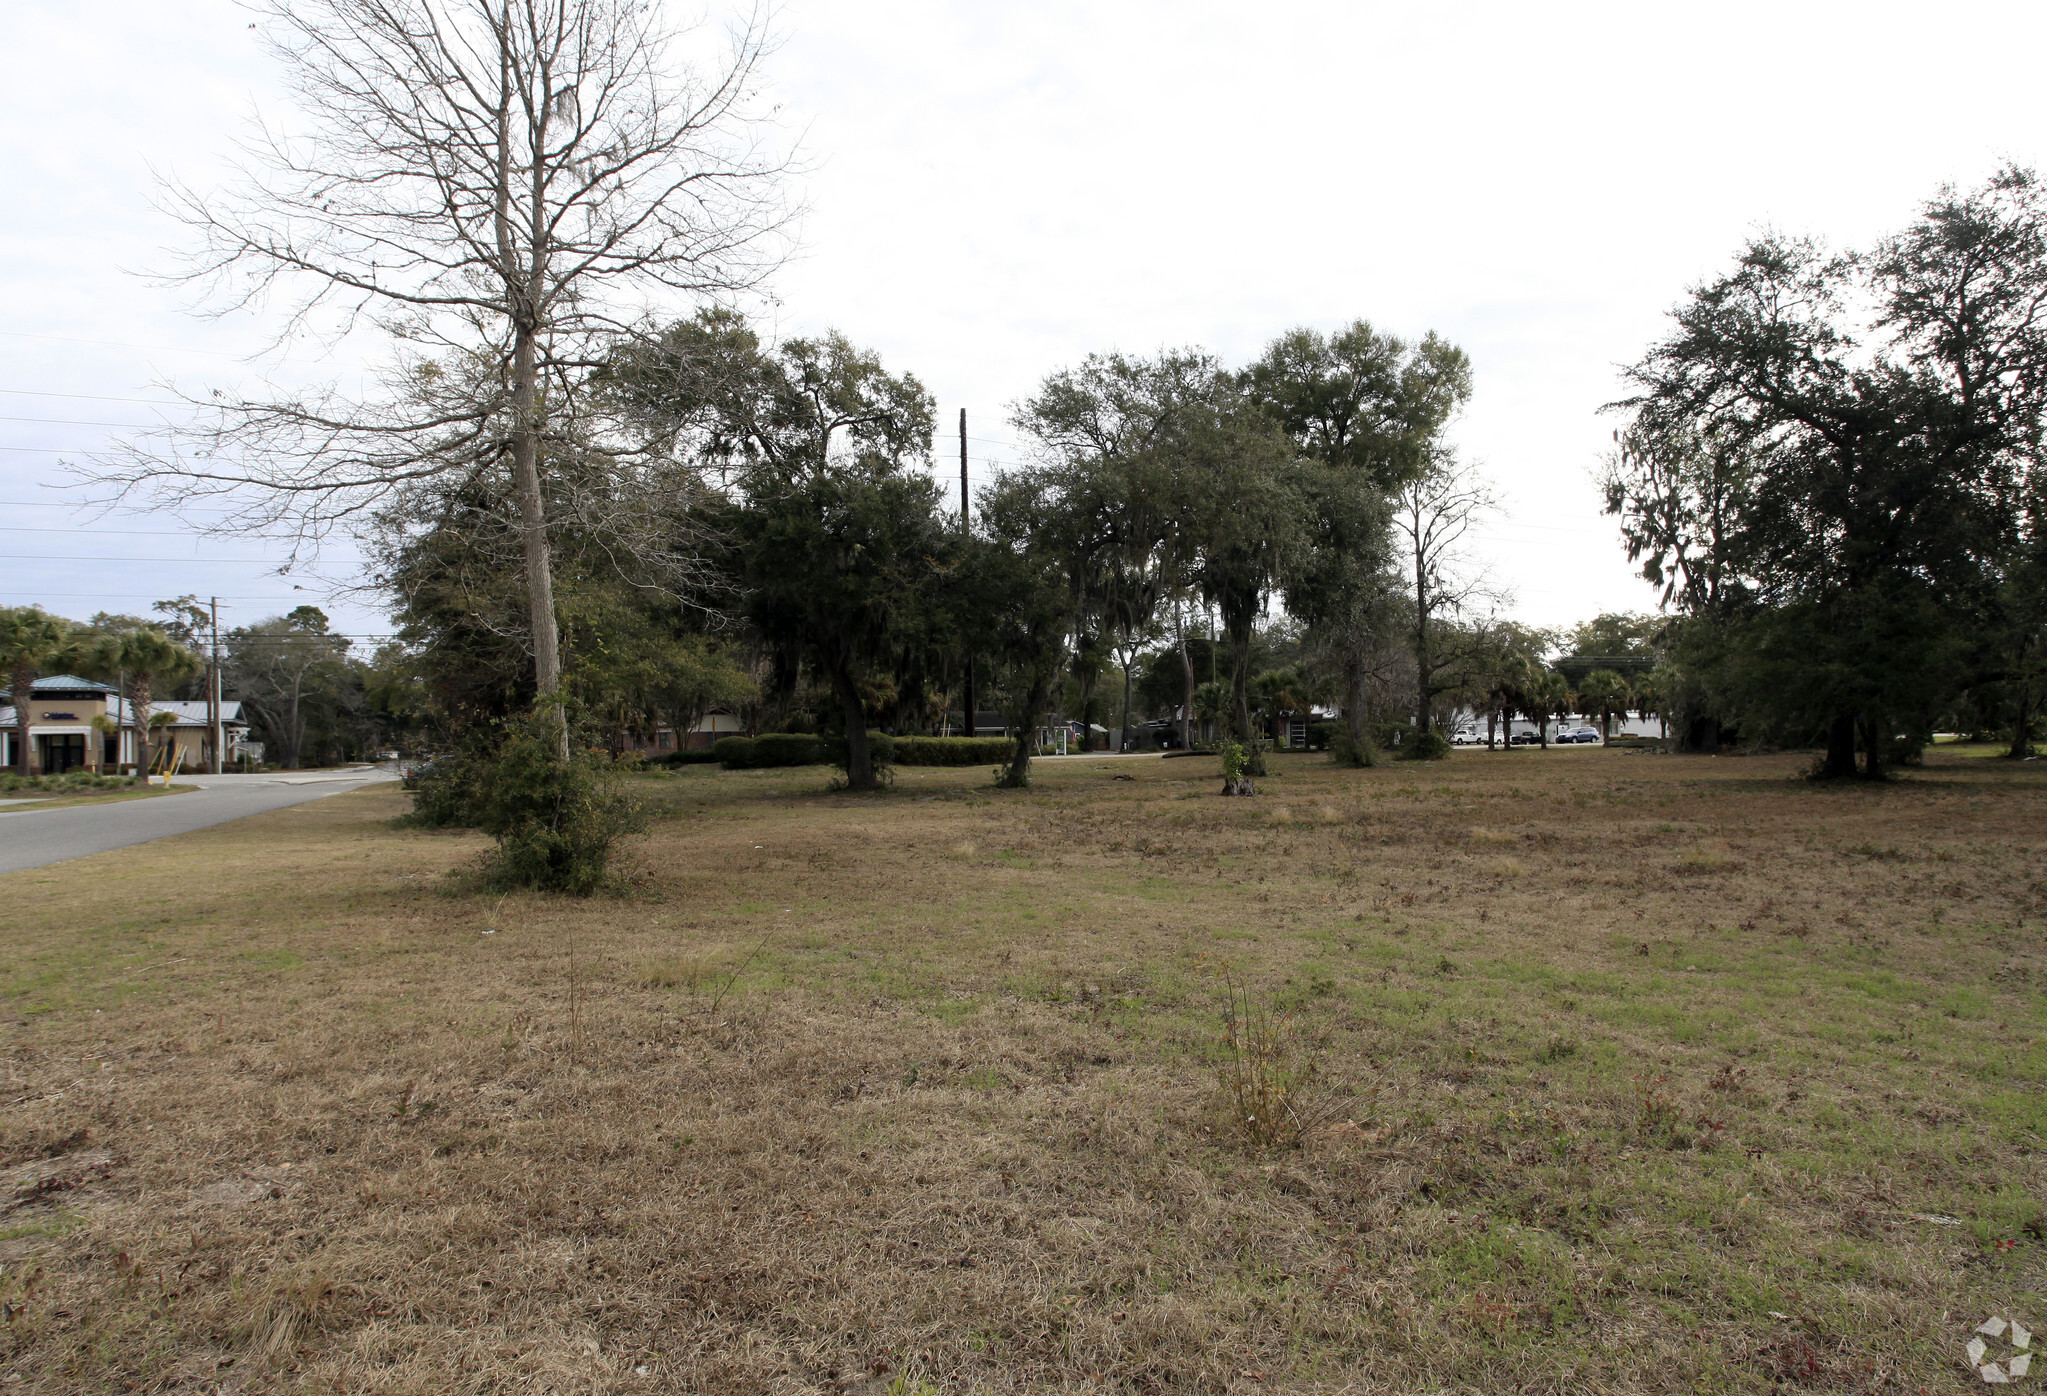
(1211, 701)
(1547, 694)
(1605, 692)
(30, 640)
(1273, 692)
(146, 655)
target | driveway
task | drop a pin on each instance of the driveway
(33, 838)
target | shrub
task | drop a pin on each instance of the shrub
(1237, 767)
(557, 822)
(444, 796)
(687, 758)
(1348, 752)
(786, 749)
(735, 752)
(1270, 1074)
(69, 783)
(952, 751)
(1429, 746)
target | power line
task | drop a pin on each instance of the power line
(75, 422)
(101, 397)
(122, 532)
(180, 561)
(119, 344)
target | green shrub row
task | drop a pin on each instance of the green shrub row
(802, 749)
(684, 758)
(952, 751)
(68, 782)
(768, 749)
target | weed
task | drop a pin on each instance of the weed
(1270, 1073)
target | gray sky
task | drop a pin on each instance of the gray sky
(996, 191)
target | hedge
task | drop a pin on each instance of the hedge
(802, 749)
(953, 751)
(684, 758)
(769, 749)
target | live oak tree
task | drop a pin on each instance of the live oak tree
(832, 526)
(1368, 410)
(491, 183)
(1828, 463)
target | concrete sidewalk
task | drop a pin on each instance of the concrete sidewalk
(32, 838)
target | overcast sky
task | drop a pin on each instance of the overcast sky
(996, 191)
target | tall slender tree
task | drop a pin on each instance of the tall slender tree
(494, 182)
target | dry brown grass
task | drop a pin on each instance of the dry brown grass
(922, 1089)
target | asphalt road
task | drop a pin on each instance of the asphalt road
(32, 838)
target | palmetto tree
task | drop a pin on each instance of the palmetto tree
(1276, 693)
(147, 656)
(1605, 692)
(31, 639)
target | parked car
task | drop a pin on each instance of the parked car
(1524, 739)
(1581, 735)
(1465, 736)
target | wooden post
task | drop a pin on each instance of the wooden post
(213, 704)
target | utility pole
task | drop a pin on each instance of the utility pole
(967, 696)
(213, 689)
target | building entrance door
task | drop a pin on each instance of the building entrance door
(62, 752)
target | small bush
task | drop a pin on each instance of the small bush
(1238, 765)
(952, 751)
(1349, 752)
(1270, 1074)
(444, 797)
(557, 822)
(1429, 746)
(736, 753)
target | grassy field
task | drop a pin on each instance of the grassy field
(1633, 1073)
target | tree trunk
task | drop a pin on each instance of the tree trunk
(1354, 695)
(1872, 749)
(1239, 632)
(24, 750)
(141, 698)
(859, 761)
(1492, 727)
(1839, 763)
(295, 730)
(2022, 723)
(533, 528)
(1187, 701)
(1421, 646)
(1123, 730)
(1027, 732)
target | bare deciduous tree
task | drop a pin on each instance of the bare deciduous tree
(495, 184)
(1433, 514)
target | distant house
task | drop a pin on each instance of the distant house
(61, 709)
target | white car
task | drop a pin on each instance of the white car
(1465, 736)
